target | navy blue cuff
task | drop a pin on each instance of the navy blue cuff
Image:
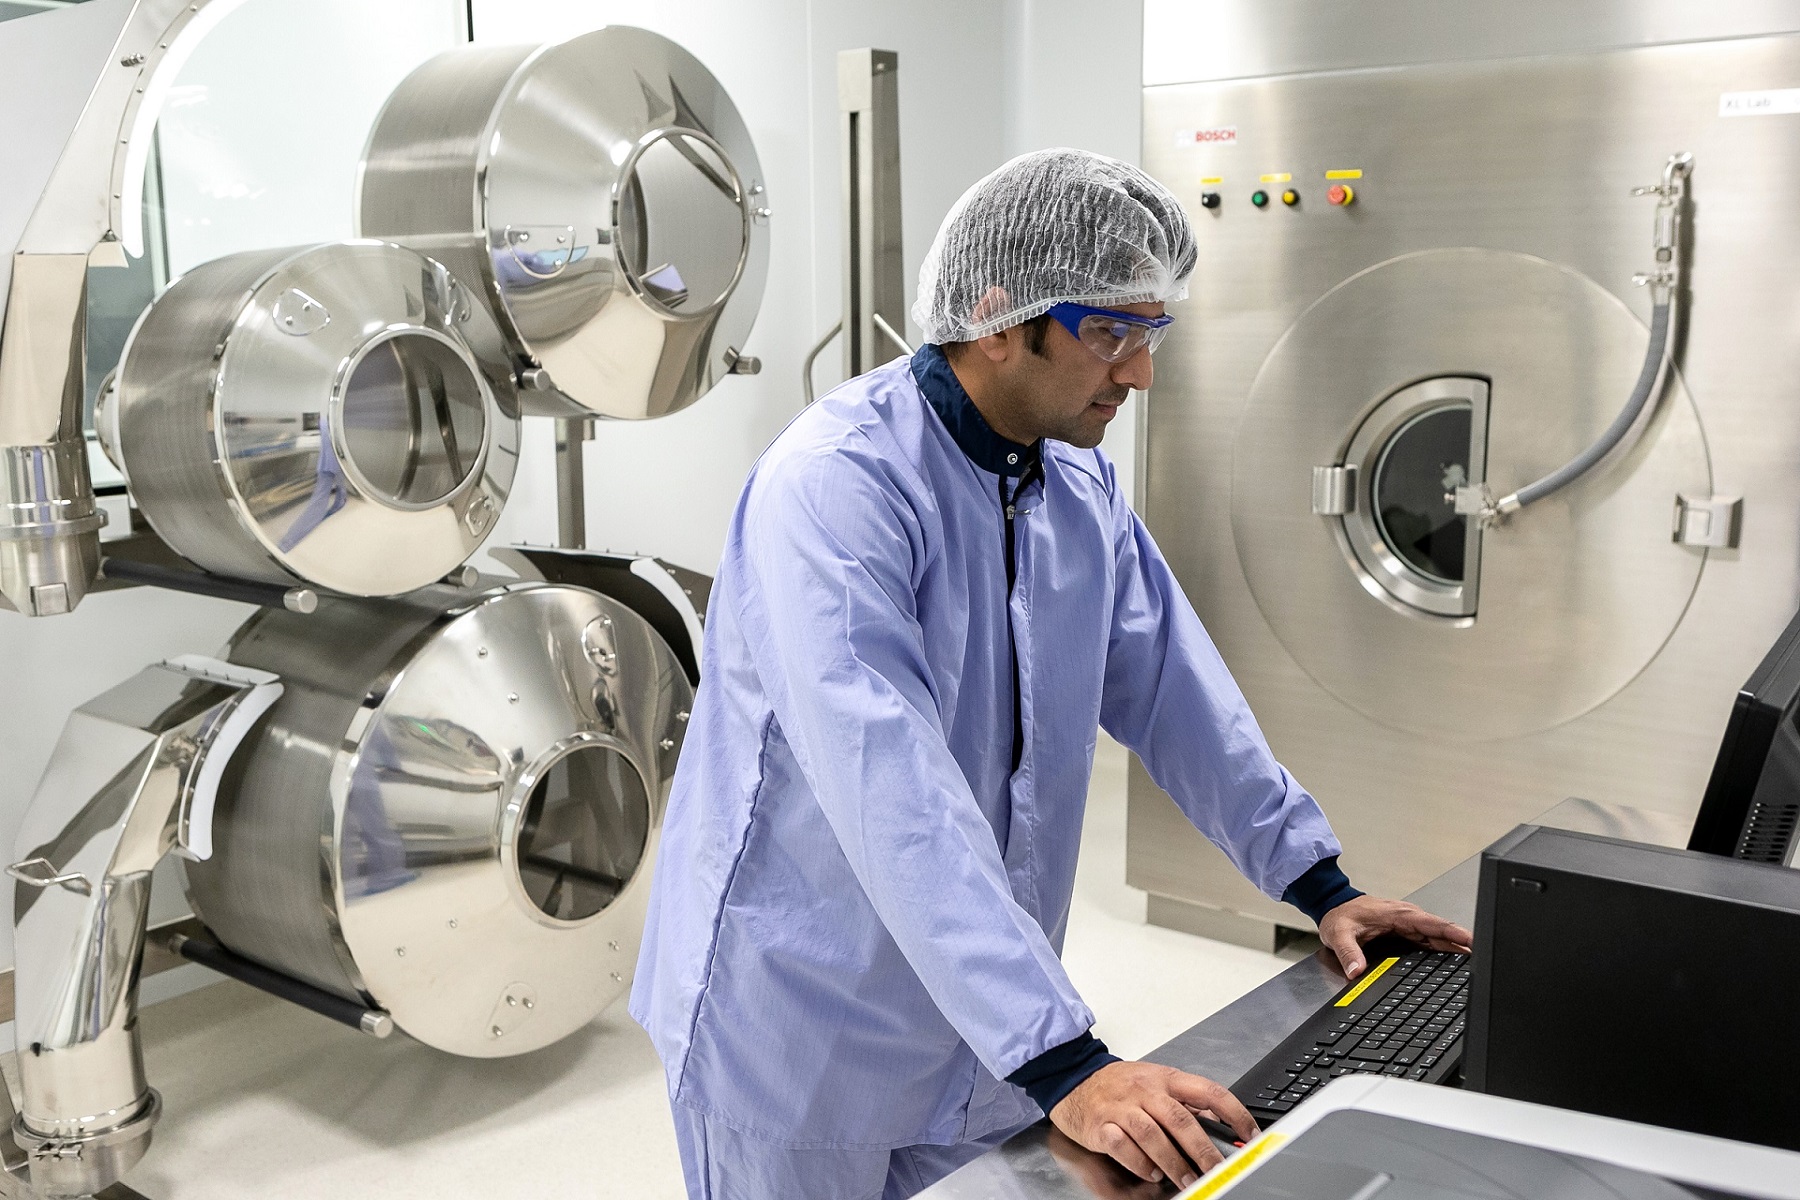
(1061, 1069)
(1322, 888)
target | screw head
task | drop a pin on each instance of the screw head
(400, 951)
(528, 1003)
(496, 1031)
(481, 652)
(512, 697)
(618, 978)
(453, 922)
(613, 945)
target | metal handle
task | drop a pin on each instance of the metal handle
(881, 324)
(807, 367)
(41, 873)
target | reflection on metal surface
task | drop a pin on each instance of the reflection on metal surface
(1401, 530)
(1493, 238)
(458, 802)
(86, 167)
(605, 196)
(133, 777)
(354, 426)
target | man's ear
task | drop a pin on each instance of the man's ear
(993, 302)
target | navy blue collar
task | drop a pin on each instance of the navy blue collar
(970, 430)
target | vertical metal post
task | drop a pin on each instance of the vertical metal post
(571, 482)
(874, 281)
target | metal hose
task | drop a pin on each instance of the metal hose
(1649, 381)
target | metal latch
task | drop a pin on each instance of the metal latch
(1334, 491)
(1708, 521)
(42, 873)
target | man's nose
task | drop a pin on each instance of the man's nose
(1135, 372)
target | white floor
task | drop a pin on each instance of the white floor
(263, 1099)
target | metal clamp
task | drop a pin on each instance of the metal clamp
(41, 873)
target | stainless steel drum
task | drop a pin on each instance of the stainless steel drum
(451, 812)
(341, 415)
(607, 196)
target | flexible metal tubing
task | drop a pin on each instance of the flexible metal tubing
(1648, 382)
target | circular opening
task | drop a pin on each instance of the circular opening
(584, 831)
(681, 223)
(413, 420)
(1425, 461)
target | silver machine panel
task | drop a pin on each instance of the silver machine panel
(603, 193)
(1458, 315)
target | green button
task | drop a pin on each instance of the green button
(1259, 198)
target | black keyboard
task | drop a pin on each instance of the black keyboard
(1403, 1018)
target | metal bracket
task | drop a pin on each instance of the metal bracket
(1711, 521)
(1333, 491)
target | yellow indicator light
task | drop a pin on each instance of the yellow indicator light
(1212, 179)
(1290, 197)
(1362, 987)
(1239, 1164)
(1352, 174)
(1279, 177)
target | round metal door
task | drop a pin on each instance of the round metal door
(1446, 369)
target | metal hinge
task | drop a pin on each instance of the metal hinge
(1333, 491)
(1712, 521)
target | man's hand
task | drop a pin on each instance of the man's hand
(1346, 927)
(1143, 1115)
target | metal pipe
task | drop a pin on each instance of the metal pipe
(806, 368)
(213, 956)
(571, 482)
(130, 780)
(1664, 279)
(200, 583)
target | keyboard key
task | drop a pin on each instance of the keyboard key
(1277, 1106)
(1396, 1070)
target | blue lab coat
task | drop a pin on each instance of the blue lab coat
(855, 924)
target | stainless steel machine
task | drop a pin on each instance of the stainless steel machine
(1478, 519)
(409, 796)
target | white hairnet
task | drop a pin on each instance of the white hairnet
(1049, 227)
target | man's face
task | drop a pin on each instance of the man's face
(1069, 393)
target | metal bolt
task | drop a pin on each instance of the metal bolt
(497, 1031)
(400, 951)
(682, 715)
(613, 945)
(512, 697)
(529, 1004)
(667, 743)
(512, 1000)
(453, 922)
(618, 978)
(132, 60)
(481, 652)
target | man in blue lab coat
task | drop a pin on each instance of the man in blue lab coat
(932, 597)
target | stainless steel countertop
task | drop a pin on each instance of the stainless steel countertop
(1042, 1164)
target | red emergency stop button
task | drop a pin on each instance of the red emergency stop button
(1341, 194)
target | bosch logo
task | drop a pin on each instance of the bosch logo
(1224, 135)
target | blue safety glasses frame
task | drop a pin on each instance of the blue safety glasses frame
(1112, 335)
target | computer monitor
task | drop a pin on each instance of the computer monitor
(1752, 805)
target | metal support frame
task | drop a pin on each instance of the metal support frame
(874, 315)
(571, 481)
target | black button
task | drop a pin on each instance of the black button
(1211, 199)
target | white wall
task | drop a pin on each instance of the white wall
(979, 82)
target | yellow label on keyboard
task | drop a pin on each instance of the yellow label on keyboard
(1227, 1172)
(1362, 987)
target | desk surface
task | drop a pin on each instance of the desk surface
(1041, 1163)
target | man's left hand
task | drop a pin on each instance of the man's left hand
(1346, 927)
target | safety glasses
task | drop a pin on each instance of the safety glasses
(1112, 335)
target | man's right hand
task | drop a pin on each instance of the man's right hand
(1143, 1115)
